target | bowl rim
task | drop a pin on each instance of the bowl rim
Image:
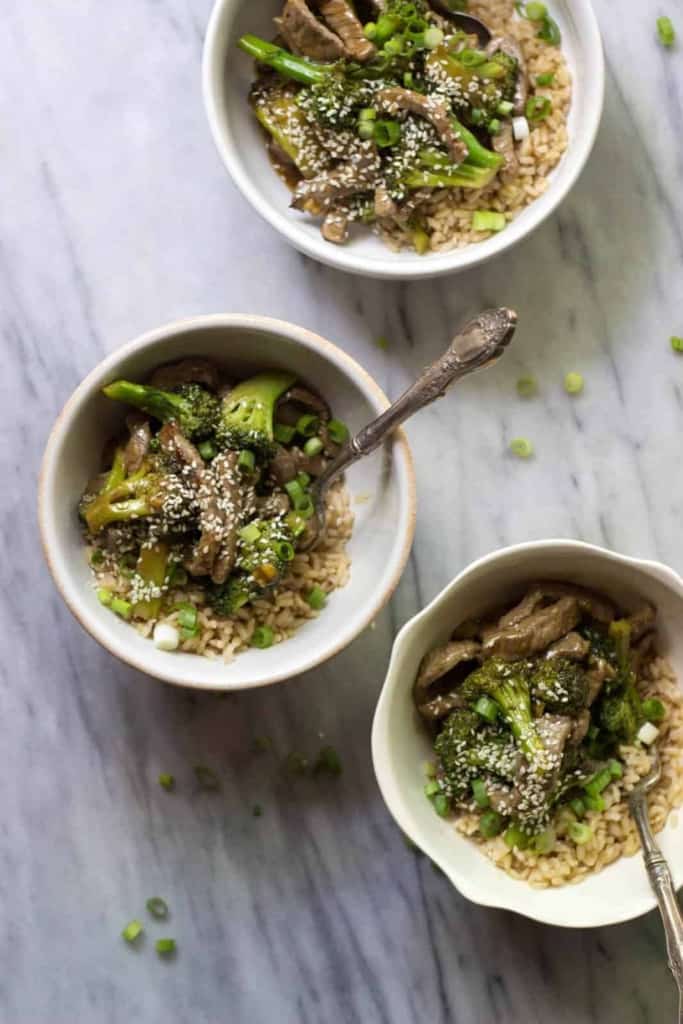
(401, 455)
(407, 267)
(389, 787)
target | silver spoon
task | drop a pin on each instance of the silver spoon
(467, 22)
(480, 343)
(659, 873)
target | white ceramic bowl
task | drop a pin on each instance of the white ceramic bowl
(385, 519)
(227, 76)
(400, 745)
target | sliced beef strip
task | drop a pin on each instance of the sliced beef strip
(307, 36)
(572, 646)
(137, 445)
(384, 204)
(187, 371)
(283, 466)
(181, 452)
(432, 108)
(503, 799)
(441, 660)
(642, 621)
(590, 603)
(533, 634)
(436, 702)
(554, 731)
(335, 227)
(526, 607)
(226, 474)
(360, 173)
(642, 652)
(273, 505)
(440, 706)
(597, 675)
(580, 728)
(341, 18)
(503, 143)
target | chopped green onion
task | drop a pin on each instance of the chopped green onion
(408, 80)
(187, 616)
(432, 788)
(262, 637)
(615, 768)
(549, 31)
(296, 524)
(207, 450)
(307, 425)
(257, 811)
(677, 344)
(441, 805)
(385, 28)
(260, 744)
(249, 533)
(157, 907)
(365, 130)
(433, 37)
(283, 433)
(494, 126)
(328, 762)
(421, 240)
(527, 387)
(480, 793)
(491, 824)
(573, 383)
(177, 577)
(536, 11)
(666, 31)
(578, 806)
(337, 431)
(316, 598)
(165, 947)
(246, 463)
(537, 108)
(487, 708)
(594, 803)
(132, 931)
(96, 557)
(386, 133)
(167, 781)
(488, 220)
(477, 115)
(284, 550)
(296, 493)
(121, 608)
(547, 78)
(505, 108)
(653, 710)
(394, 46)
(303, 478)
(472, 58)
(370, 30)
(104, 596)
(598, 782)
(206, 778)
(382, 343)
(296, 764)
(521, 447)
(306, 509)
(580, 833)
(367, 114)
(313, 447)
(514, 837)
(544, 842)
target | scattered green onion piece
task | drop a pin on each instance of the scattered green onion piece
(653, 710)
(472, 58)
(386, 133)
(313, 447)
(547, 78)
(409, 80)
(307, 425)
(105, 596)
(666, 31)
(187, 616)
(580, 833)
(573, 383)
(549, 31)
(365, 130)
(206, 778)
(487, 708)
(494, 126)
(303, 478)
(285, 551)
(257, 811)
(337, 431)
(157, 907)
(394, 46)
(385, 28)
(262, 637)
(167, 781)
(600, 781)
(433, 37)
(491, 824)
(165, 947)
(296, 524)
(249, 533)
(527, 387)
(544, 842)
(207, 450)
(480, 793)
(477, 115)
(296, 493)
(132, 931)
(121, 608)
(382, 343)
(367, 114)
(316, 598)
(328, 762)
(306, 509)
(521, 447)
(283, 433)
(246, 463)
(370, 30)
(177, 576)
(296, 764)
(505, 108)
(488, 220)
(261, 744)
(432, 788)
(514, 837)
(677, 344)
(536, 11)
(96, 557)
(594, 803)
(578, 806)
(615, 768)
(441, 805)
(537, 108)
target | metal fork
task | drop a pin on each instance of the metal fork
(659, 873)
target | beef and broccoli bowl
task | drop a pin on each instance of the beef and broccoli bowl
(429, 128)
(542, 714)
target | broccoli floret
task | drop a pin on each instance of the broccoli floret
(227, 598)
(466, 748)
(125, 498)
(619, 711)
(264, 552)
(507, 684)
(191, 406)
(248, 411)
(619, 716)
(560, 684)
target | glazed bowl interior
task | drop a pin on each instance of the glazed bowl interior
(401, 744)
(384, 515)
(228, 74)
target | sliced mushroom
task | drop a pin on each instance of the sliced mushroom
(536, 632)
(187, 371)
(358, 174)
(503, 142)
(307, 36)
(335, 227)
(572, 646)
(510, 47)
(342, 19)
(137, 446)
(226, 474)
(642, 621)
(432, 108)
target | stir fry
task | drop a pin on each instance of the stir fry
(530, 709)
(211, 486)
(370, 108)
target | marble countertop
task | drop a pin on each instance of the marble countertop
(116, 216)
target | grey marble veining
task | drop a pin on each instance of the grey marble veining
(116, 216)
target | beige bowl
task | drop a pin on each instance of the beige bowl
(385, 517)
